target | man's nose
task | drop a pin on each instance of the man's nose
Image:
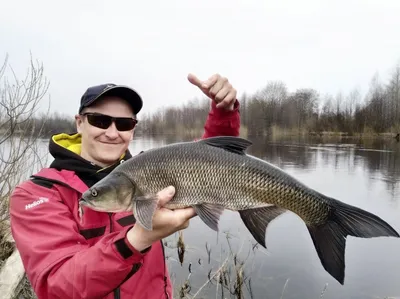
(112, 131)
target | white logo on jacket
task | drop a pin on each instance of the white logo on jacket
(37, 202)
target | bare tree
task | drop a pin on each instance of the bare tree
(393, 93)
(19, 139)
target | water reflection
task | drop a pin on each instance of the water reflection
(380, 159)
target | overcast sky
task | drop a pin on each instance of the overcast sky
(331, 46)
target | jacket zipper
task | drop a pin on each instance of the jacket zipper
(117, 292)
(111, 224)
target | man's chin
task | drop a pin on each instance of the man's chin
(107, 158)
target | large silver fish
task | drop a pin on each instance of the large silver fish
(214, 174)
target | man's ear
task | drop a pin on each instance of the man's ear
(78, 123)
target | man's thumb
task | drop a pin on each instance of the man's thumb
(185, 213)
(165, 195)
(195, 81)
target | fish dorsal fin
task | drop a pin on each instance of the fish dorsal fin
(232, 144)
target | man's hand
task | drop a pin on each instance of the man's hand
(165, 222)
(216, 88)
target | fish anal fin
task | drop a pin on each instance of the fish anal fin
(256, 220)
(232, 144)
(209, 214)
(143, 210)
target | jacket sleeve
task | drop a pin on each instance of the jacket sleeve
(221, 122)
(57, 259)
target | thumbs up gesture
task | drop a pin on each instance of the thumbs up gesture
(216, 88)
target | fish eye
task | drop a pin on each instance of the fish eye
(94, 192)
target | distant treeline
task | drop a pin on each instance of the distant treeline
(275, 110)
(44, 126)
(54, 124)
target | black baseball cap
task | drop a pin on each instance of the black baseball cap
(93, 93)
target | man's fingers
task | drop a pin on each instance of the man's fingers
(218, 85)
(203, 85)
(211, 81)
(165, 195)
(213, 84)
(217, 88)
(228, 101)
(221, 94)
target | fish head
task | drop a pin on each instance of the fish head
(111, 194)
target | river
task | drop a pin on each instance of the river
(365, 174)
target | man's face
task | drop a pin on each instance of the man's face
(104, 146)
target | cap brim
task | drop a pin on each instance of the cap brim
(124, 92)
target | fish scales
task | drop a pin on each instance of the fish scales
(202, 174)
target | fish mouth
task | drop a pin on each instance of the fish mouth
(84, 202)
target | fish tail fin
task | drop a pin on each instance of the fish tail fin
(330, 237)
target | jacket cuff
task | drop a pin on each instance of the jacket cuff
(125, 249)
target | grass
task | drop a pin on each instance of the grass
(231, 275)
(6, 247)
(26, 291)
(229, 278)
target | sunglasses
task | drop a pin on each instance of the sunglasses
(103, 121)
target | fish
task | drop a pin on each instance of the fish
(216, 173)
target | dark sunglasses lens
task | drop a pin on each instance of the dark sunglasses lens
(104, 121)
(99, 121)
(125, 124)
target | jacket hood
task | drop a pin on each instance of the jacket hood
(66, 149)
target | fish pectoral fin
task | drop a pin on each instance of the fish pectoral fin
(210, 214)
(143, 210)
(256, 220)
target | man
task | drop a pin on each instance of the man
(102, 255)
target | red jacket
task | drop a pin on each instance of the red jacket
(66, 258)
